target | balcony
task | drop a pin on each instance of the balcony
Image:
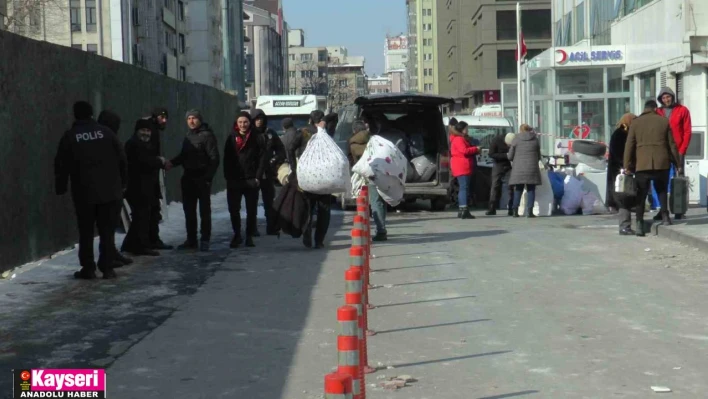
(168, 17)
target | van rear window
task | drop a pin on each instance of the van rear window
(483, 135)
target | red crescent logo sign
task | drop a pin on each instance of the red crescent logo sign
(25, 375)
(563, 57)
(581, 132)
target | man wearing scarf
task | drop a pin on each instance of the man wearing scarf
(245, 160)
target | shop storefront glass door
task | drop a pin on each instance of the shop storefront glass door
(583, 119)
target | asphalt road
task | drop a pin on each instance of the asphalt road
(494, 307)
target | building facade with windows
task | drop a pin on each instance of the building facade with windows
(477, 41)
(422, 45)
(576, 89)
(379, 84)
(666, 45)
(347, 81)
(266, 54)
(307, 70)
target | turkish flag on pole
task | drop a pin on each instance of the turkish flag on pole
(521, 44)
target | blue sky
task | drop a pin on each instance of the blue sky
(358, 25)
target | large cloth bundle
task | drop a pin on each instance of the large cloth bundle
(384, 166)
(323, 168)
(292, 209)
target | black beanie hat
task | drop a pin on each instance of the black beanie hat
(143, 124)
(317, 116)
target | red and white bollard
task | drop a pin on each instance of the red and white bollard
(338, 386)
(348, 347)
(353, 297)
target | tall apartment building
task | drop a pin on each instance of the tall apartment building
(233, 44)
(205, 44)
(81, 24)
(422, 44)
(477, 45)
(266, 54)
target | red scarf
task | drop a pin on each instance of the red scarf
(241, 139)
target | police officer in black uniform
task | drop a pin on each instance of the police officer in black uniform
(275, 155)
(92, 157)
(158, 119)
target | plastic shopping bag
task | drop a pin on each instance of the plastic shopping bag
(572, 195)
(323, 168)
(384, 166)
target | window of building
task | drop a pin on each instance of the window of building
(75, 13)
(307, 90)
(292, 57)
(90, 15)
(291, 74)
(292, 91)
(77, 46)
(567, 32)
(306, 74)
(180, 10)
(343, 83)
(343, 96)
(430, 71)
(92, 48)
(536, 24)
(425, 71)
(506, 64)
(306, 57)
(183, 74)
(647, 86)
(322, 56)
(579, 81)
(580, 22)
(182, 44)
(615, 82)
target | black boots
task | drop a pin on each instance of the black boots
(515, 212)
(640, 228)
(530, 214)
(491, 211)
(464, 213)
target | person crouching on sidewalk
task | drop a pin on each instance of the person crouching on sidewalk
(245, 160)
(143, 168)
(461, 163)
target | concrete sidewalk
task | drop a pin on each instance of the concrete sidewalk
(692, 231)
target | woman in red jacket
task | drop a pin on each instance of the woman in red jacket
(461, 155)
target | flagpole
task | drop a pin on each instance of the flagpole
(519, 100)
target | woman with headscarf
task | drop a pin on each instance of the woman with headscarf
(615, 162)
(461, 154)
(524, 154)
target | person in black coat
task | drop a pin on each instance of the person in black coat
(143, 169)
(245, 162)
(158, 118)
(92, 158)
(615, 163)
(275, 154)
(200, 159)
(112, 121)
(498, 151)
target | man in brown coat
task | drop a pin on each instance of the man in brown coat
(649, 154)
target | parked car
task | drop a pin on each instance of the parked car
(418, 118)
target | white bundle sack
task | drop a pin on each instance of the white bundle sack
(323, 168)
(384, 166)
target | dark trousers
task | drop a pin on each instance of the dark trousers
(196, 191)
(321, 204)
(236, 190)
(643, 180)
(154, 225)
(138, 237)
(105, 218)
(268, 194)
(530, 198)
(497, 184)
